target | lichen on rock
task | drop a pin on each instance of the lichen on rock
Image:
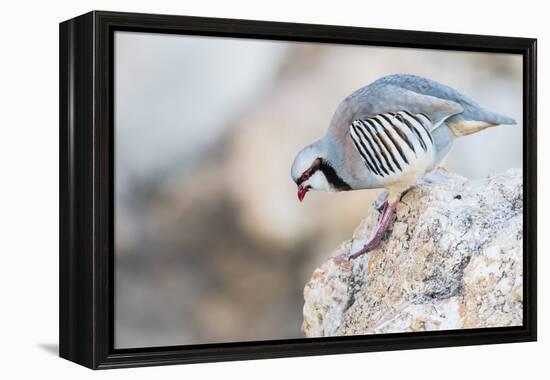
(452, 259)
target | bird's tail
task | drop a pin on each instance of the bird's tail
(498, 119)
(478, 120)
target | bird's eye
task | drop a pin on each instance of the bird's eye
(306, 175)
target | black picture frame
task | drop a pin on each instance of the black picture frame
(86, 189)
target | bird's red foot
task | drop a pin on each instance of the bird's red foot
(372, 244)
(376, 240)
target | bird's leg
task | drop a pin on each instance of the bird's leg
(376, 239)
(380, 201)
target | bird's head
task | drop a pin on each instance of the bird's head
(312, 170)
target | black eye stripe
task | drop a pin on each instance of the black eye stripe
(309, 171)
(332, 177)
(329, 172)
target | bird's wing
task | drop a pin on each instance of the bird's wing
(394, 143)
(474, 116)
(389, 98)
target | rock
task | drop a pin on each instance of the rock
(451, 260)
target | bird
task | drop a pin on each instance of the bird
(388, 135)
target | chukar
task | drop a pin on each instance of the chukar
(389, 134)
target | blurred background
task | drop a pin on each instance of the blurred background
(211, 243)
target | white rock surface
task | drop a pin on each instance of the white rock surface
(451, 260)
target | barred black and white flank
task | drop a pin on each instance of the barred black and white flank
(388, 135)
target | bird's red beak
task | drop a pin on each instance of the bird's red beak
(302, 192)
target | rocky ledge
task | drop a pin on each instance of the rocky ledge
(451, 260)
